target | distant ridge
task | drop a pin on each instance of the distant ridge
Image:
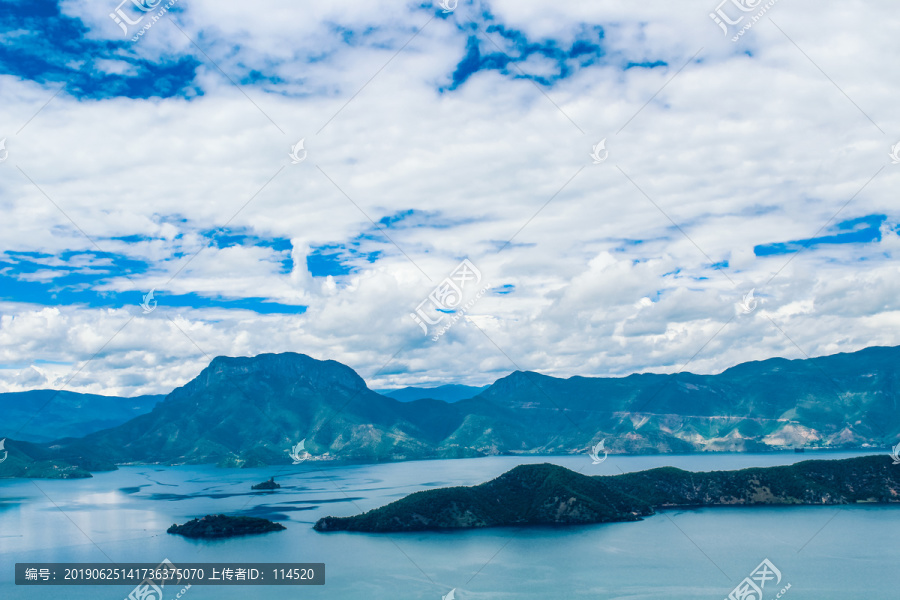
(47, 415)
(452, 392)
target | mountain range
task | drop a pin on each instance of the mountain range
(249, 411)
(47, 415)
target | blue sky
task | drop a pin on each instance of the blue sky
(861, 230)
(44, 45)
(163, 164)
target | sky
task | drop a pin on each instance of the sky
(439, 194)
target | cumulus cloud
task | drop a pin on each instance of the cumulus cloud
(717, 149)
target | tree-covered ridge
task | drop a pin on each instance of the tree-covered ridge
(863, 479)
(546, 494)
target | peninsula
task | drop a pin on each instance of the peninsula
(546, 494)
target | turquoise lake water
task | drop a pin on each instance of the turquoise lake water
(822, 552)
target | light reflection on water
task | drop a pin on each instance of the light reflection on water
(123, 515)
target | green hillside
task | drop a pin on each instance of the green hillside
(546, 494)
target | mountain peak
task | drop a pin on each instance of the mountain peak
(284, 365)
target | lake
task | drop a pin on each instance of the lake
(822, 552)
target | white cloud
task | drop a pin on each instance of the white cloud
(737, 150)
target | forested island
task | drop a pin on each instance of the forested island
(266, 485)
(224, 526)
(546, 494)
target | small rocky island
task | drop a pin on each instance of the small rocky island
(266, 485)
(223, 526)
(546, 494)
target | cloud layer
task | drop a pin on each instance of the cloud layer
(432, 137)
